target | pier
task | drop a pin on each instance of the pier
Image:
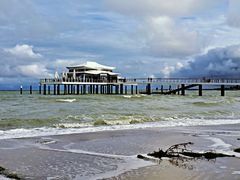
(94, 78)
(176, 86)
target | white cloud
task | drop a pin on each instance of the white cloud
(168, 70)
(23, 50)
(233, 17)
(33, 70)
(21, 62)
(164, 38)
(162, 7)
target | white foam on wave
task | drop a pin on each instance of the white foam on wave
(236, 172)
(47, 131)
(127, 96)
(66, 100)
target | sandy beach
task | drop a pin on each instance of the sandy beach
(113, 154)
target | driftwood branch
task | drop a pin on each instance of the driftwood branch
(180, 150)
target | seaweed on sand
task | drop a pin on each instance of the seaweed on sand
(8, 174)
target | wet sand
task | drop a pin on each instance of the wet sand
(112, 154)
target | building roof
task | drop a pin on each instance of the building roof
(91, 65)
(100, 72)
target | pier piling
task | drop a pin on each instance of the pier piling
(161, 89)
(58, 89)
(54, 89)
(78, 89)
(222, 90)
(30, 89)
(183, 89)
(96, 89)
(40, 89)
(49, 90)
(121, 88)
(131, 89)
(148, 89)
(200, 90)
(65, 89)
(44, 89)
(21, 89)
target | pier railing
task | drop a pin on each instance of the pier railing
(148, 80)
(62, 80)
(183, 80)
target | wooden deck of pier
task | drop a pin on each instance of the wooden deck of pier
(125, 86)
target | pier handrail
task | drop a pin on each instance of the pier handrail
(183, 80)
(148, 80)
(61, 80)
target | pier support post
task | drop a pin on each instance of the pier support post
(96, 89)
(84, 89)
(30, 89)
(71, 89)
(40, 89)
(65, 89)
(170, 87)
(148, 89)
(178, 88)
(121, 88)
(105, 89)
(136, 89)
(44, 89)
(58, 89)
(161, 89)
(108, 89)
(93, 89)
(21, 89)
(78, 89)
(81, 89)
(90, 89)
(54, 89)
(200, 90)
(126, 89)
(222, 90)
(68, 89)
(131, 89)
(117, 89)
(49, 90)
(183, 89)
(111, 89)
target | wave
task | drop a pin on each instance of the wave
(207, 104)
(48, 131)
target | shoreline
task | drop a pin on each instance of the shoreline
(52, 131)
(109, 154)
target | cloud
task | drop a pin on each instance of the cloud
(233, 17)
(218, 62)
(23, 50)
(33, 70)
(21, 61)
(164, 38)
(168, 70)
(162, 7)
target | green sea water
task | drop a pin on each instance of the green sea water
(24, 113)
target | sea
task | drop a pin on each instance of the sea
(42, 115)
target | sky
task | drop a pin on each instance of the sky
(153, 38)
